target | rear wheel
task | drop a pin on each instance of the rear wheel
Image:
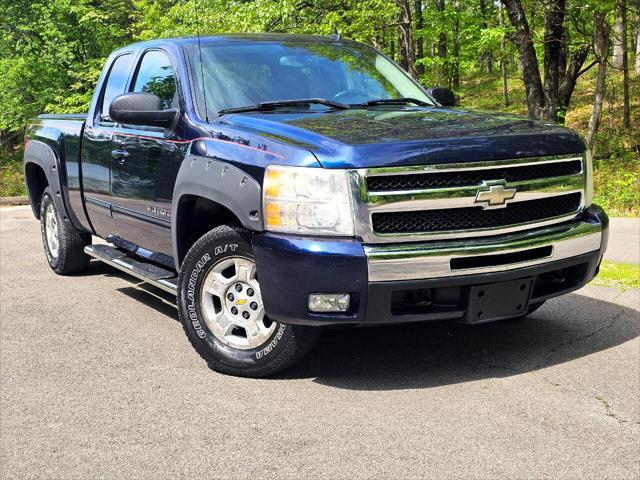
(63, 244)
(222, 312)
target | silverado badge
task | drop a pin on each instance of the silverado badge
(495, 194)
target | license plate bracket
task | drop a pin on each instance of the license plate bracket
(498, 301)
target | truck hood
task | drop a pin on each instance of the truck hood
(363, 138)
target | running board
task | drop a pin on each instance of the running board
(147, 272)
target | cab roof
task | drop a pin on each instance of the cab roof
(243, 37)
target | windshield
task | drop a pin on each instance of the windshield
(243, 74)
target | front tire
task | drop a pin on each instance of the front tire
(63, 244)
(222, 313)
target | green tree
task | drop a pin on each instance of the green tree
(51, 53)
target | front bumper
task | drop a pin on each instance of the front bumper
(422, 281)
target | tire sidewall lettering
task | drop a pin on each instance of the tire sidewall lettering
(205, 263)
(192, 286)
(285, 344)
(267, 349)
(191, 295)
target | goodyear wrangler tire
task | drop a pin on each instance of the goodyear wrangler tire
(63, 244)
(221, 309)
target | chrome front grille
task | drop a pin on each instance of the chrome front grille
(461, 178)
(462, 200)
(475, 217)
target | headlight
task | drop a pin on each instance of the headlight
(588, 180)
(307, 200)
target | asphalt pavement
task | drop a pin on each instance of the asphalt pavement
(624, 240)
(97, 380)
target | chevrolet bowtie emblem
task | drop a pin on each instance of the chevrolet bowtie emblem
(495, 195)
(242, 301)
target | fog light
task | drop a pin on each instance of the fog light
(329, 302)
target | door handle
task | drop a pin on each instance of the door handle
(120, 155)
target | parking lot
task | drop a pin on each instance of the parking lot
(99, 380)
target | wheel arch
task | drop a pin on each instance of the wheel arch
(36, 182)
(42, 170)
(209, 193)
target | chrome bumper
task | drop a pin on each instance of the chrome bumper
(434, 259)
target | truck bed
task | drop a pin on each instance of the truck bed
(62, 133)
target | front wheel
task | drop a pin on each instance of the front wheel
(221, 309)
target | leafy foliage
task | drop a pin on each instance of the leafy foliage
(52, 52)
(11, 174)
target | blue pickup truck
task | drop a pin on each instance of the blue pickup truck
(277, 184)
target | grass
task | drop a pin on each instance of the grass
(617, 184)
(619, 275)
(11, 174)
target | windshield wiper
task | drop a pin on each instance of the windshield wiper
(392, 101)
(272, 105)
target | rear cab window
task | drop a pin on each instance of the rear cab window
(116, 83)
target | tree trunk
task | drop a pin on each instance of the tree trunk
(528, 61)
(569, 80)
(443, 76)
(621, 57)
(620, 35)
(637, 49)
(405, 38)
(455, 65)
(638, 46)
(635, 33)
(626, 114)
(503, 59)
(564, 50)
(601, 32)
(553, 35)
(419, 39)
(486, 57)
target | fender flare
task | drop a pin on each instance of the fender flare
(219, 182)
(42, 155)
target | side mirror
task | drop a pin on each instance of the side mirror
(443, 96)
(141, 109)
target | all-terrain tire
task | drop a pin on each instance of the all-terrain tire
(68, 257)
(285, 345)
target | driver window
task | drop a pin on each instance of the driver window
(155, 75)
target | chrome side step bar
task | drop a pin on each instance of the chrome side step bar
(147, 272)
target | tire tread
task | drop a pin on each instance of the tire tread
(304, 338)
(71, 256)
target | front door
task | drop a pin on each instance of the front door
(145, 164)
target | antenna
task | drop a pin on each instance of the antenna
(204, 90)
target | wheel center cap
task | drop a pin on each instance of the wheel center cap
(241, 302)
